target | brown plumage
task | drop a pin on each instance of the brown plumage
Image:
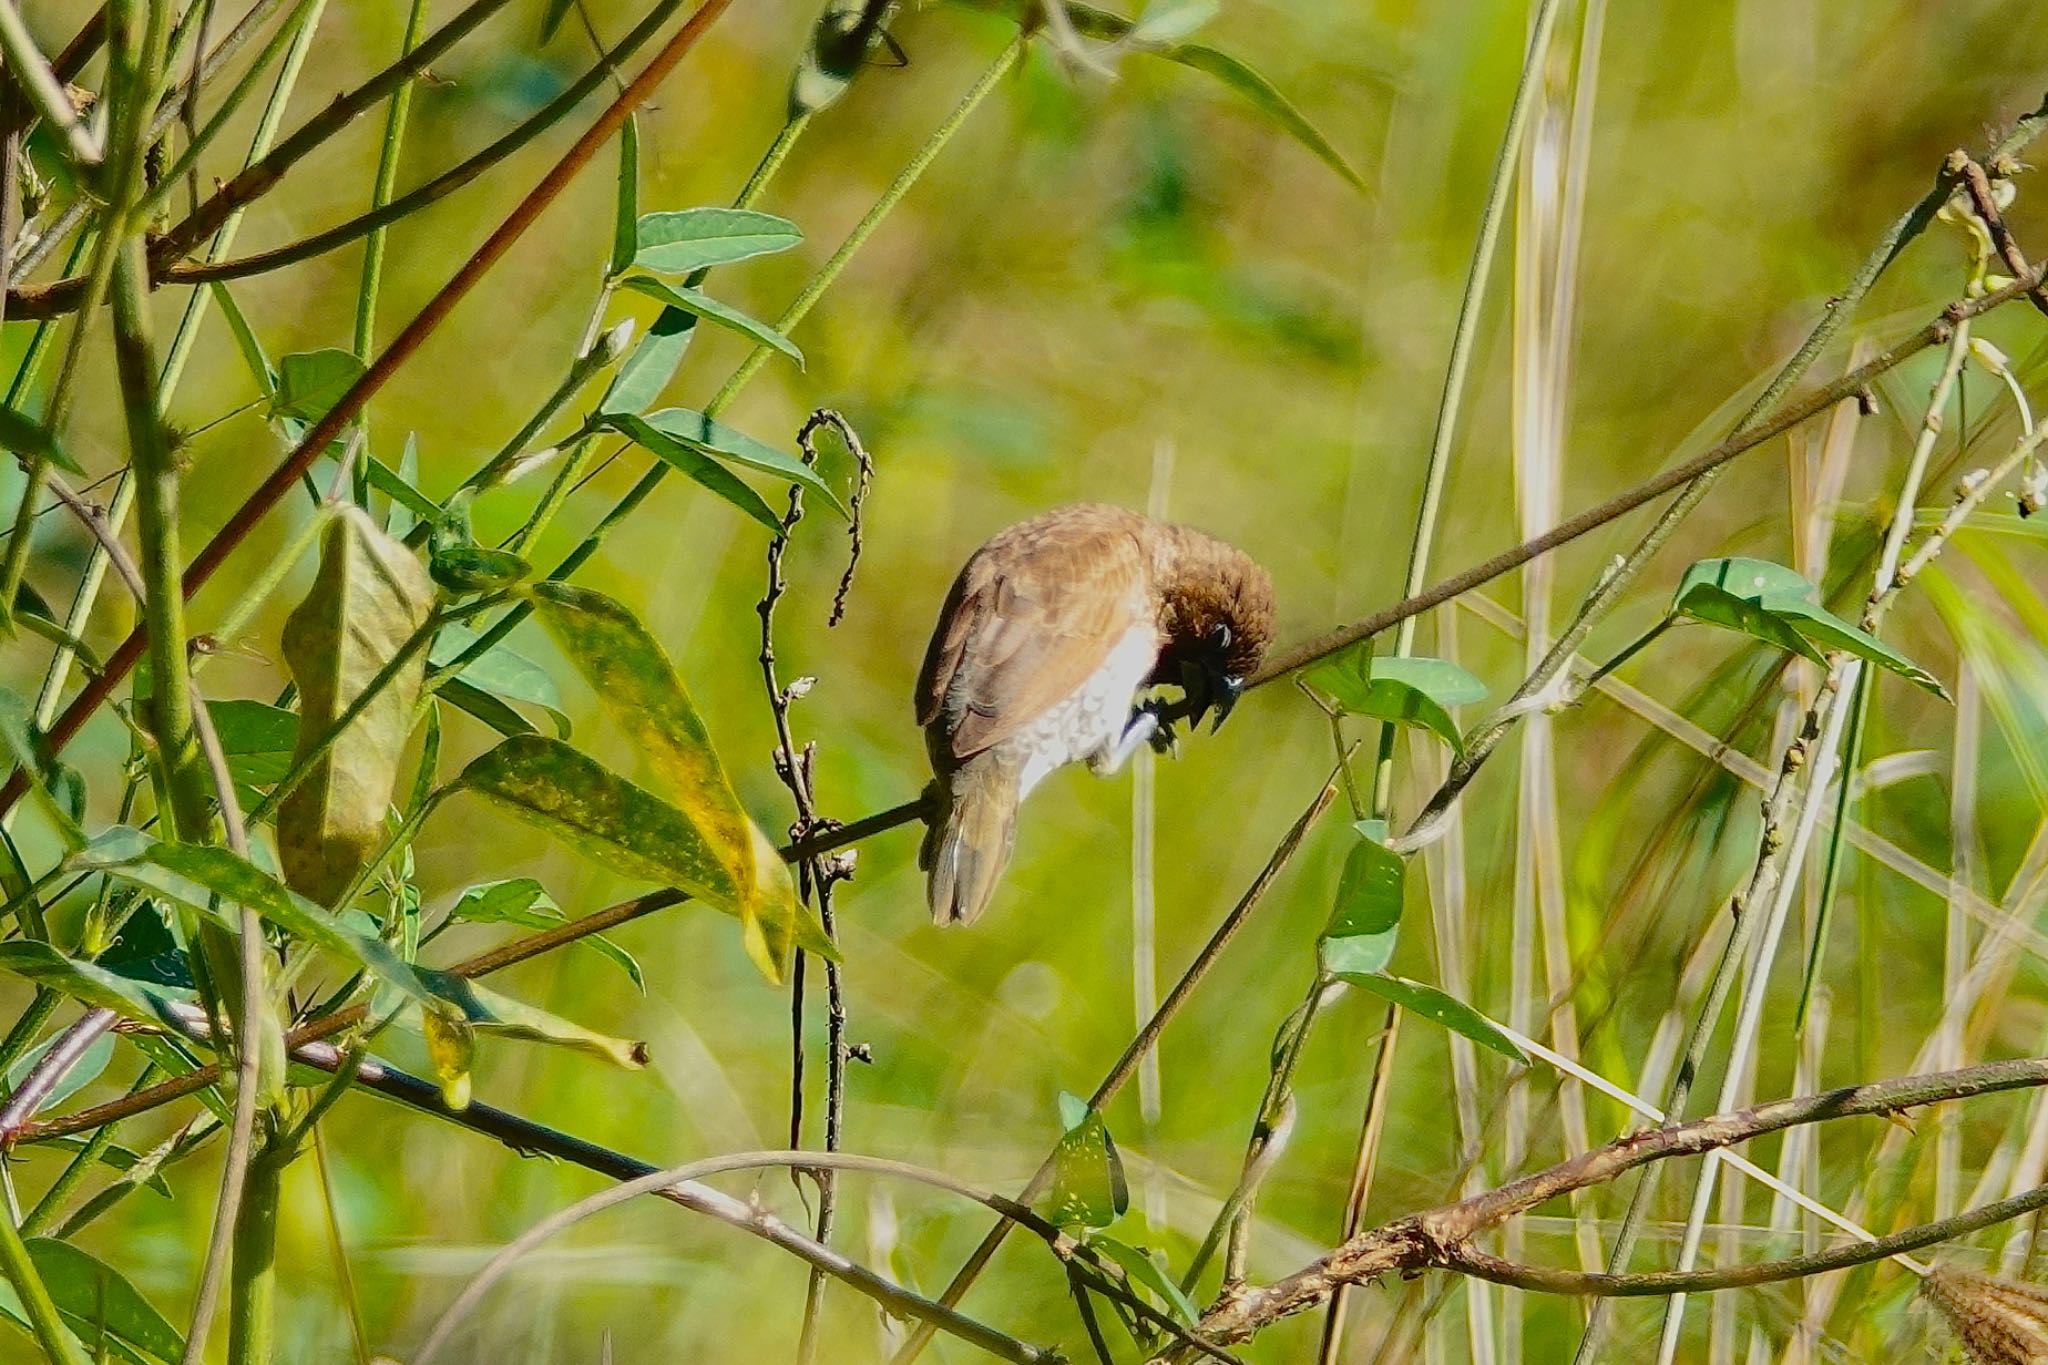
(1047, 636)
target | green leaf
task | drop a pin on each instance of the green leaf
(84, 1072)
(24, 435)
(258, 739)
(652, 364)
(91, 1294)
(1366, 921)
(245, 339)
(551, 18)
(618, 957)
(310, 383)
(489, 1012)
(700, 469)
(517, 900)
(625, 222)
(210, 879)
(1266, 98)
(58, 790)
(464, 567)
(368, 600)
(1431, 1003)
(501, 671)
(451, 1054)
(485, 707)
(600, 814)
(691, 239)
(118, 1157)
(397, 486)
(1088, 1186)
(632, 676)
(1144, 1268)
(711, 310)
(94, 985)
(1417, 692)
(700, 433)
(1772, 603)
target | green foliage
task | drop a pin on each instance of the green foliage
(1775, 605)
(1400, 691)
(693, 239)
(1088, 1186)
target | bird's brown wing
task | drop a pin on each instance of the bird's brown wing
(1032, 616)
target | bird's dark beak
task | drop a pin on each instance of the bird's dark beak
(1228, 690)
(1209, 688)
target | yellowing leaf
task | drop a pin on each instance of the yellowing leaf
(370, 597)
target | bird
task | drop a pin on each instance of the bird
(1046, 638)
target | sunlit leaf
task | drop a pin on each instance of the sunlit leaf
(699, 468)
(1088, 1186)
(88, 982)
(257, 738)
(1144, 1268)
(210, 880)
(700, 433)
(1772, 603)
(370, 597)
(691, 239)
(1432, 1003)
(517, 900)
(491, 1013)
(711, 310)
(1417, 692)
(409, 506)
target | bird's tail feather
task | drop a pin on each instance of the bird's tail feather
(967, 846)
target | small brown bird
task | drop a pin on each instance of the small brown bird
(1045, 640)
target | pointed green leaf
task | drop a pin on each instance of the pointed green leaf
(1417, 692)
(210, 880)
(24, 435)
(92, 1294)
(368, 601)
(397, 485)
(698, 468)
(489, 1012)
(501, 671)
(1143, 1268)
(1431, 1003)
(691, 239)
(1773, 604)
(490, 710)
(258, 739)
(120, 1158)
(1366, 921)
(58, 790)
(245, 339)
(651, 365)
(700, 433)
(517, 900)
(310, 383)
(711, 310)
(1088, 1186)
(601, 815)
(1262, 95)
(625, 221)
(94, 985)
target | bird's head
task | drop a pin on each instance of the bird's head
(1216, 612)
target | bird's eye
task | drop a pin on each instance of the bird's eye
(1221, 635)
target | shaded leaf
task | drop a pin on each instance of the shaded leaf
(485, 707)
(257, 738)
(118, 1157)
(91, 1293)
(725, 315)
(310, 383)
(700, 433)
(409, 506)
(651, 365)
(368, 600)
(1143, 1268)
(209, 880)
(1771, 603)
(59, 791)
(1366, 921)
(464, 567)
(1088, 1185)
(501, 671)
(691, 239)
(625, 220)
(245, 339)
(24, 435)
(84, 1072)
(1431, 1003)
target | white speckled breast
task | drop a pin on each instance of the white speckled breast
(1088, 724)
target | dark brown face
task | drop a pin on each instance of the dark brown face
(1220, 622)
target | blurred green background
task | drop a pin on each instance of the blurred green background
(1122, 289)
